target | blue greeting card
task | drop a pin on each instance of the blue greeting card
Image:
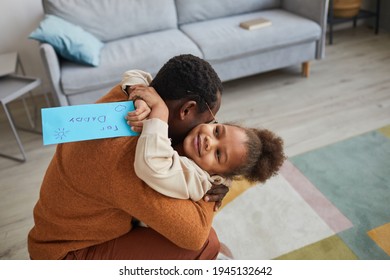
(86, 122)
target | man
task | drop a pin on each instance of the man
(90, 192)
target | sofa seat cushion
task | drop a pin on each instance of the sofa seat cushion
(223, 39)
(147, 52)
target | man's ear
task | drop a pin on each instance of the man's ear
(187, 109)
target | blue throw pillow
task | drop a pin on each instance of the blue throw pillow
(69, 40)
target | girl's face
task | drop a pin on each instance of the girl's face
(216, 148)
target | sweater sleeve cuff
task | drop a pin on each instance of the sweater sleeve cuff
(155, 126)
(133, 77)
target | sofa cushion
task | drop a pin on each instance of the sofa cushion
(113, 19)
(147, 52)
(200, 10)
(69, 40)
(222, 39)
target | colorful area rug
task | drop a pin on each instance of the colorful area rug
(331, 203)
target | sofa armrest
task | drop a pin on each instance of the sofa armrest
(52, 66)
(316, 10)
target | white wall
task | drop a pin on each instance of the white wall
(18, 18)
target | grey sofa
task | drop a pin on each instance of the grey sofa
(145, 34)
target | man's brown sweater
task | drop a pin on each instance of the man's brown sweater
(90, 193)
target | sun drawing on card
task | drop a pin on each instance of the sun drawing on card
(60, 133)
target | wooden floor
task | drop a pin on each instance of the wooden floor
(347, 93)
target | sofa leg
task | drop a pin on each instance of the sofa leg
(306, 69)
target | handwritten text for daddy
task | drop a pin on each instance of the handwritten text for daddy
(85, 122)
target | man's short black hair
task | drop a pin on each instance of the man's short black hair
(188, 77)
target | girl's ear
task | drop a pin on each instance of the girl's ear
(189, 108)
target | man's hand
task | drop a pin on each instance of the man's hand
(216, 194)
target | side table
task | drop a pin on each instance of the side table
(362, 14)
(12, 87)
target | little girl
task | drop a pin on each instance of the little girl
(212, 153)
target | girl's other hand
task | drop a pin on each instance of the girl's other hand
(135, 118)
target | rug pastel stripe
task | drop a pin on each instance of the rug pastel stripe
(354, 175)
(269, 220)
(385, 131)
(324, 208)
(332, 248)
(381, 235)
(237, 188)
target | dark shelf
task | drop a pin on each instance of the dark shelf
(361, 15)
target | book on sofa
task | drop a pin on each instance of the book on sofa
(255, 23)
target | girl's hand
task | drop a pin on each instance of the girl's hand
(148, 94)
(135, 118)
(152, 99)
